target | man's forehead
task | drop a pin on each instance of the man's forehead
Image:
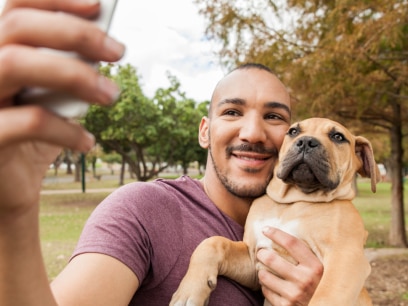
(250, 79)
(247, 73)
(245, 83)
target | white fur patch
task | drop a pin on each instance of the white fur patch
(262, 241)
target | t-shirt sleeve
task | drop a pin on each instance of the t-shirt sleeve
(123, 224)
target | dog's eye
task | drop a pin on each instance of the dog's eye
(338, 137)
(293, 132)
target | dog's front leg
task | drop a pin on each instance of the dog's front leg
(345, 272)
(214, 256)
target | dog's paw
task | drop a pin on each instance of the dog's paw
(193, 293)
(183, 299)
(189, 302)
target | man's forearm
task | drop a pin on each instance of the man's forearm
(23, 279)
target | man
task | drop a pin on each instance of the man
(131, 252)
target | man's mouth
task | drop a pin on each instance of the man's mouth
(251, 157)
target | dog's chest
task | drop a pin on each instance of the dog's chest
(290, 227)
(288, 218)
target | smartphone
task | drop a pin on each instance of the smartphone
(64, 104)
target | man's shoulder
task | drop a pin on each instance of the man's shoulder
(156, 194)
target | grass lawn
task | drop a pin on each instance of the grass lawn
(63, 216)
(375, 210)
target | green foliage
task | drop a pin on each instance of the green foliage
(149, 134)
(112, 158)
(179, 125)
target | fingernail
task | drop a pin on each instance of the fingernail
(115, 49)
(89, 141)
(89, 2)
(109, 89)
(266, 229)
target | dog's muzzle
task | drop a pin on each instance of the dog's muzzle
(306, 165)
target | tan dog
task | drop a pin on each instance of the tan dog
(309, 197)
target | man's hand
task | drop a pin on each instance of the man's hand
(30, 136)
(298, 282)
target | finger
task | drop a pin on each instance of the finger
(23, 65)
(295, 247)
(86, 8)
(301, 274)
(295, 282)
(272, 297)
(32, 27)
(27, 123)
(282, 267)
(305, 268)
(276, 289)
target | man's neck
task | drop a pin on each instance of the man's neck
(235, 207)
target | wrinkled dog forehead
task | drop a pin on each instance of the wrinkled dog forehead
(326, 131)
(317, 127)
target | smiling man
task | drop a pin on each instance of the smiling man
(248, 118)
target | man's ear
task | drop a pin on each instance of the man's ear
(203, 133)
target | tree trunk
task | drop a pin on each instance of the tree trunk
(122, 172)
(69, 166)
(398, 236)
(94, 166)
(78, 169)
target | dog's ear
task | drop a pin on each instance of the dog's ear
(369, 168)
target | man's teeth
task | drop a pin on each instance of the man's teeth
(250, 158)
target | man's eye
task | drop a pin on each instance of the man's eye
(273, 117)
(231, 112)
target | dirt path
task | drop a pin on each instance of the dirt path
(388, 281)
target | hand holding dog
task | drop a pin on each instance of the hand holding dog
(298, 282)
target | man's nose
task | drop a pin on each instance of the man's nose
(253, 130)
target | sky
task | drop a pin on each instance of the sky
(164, 35)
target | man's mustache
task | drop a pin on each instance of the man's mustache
(256, 148)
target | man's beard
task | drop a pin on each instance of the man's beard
(234, 187)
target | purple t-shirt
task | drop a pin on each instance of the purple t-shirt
(153, 228)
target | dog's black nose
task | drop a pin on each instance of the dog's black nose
(307, 144)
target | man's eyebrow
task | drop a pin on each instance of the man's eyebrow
(278, 105)
(236, 101)
(239, 101)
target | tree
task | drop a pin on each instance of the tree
(111, 158)
(178, 126)
(343, 59)
(128, 126)
(149, 134)
(200, 153)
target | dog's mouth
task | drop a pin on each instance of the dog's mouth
(308, 174)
